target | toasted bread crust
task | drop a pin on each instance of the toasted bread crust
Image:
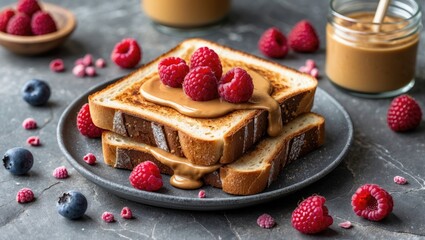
(234, 180)
(237, 140)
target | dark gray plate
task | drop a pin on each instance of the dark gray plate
(339, 134)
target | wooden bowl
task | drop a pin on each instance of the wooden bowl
(33, 45)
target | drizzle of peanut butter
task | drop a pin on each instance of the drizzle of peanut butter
(153, 90)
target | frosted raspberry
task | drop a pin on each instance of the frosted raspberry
(33, 141)
(79, 70)
(85, 124)
(200, 84)
(29, 123)
(126, 213)
(372, 202)
(400, 180)
(90, 71)
(127, 53)
(273, 43)
(100, 63)
(57, 65)
(79, 61)
(236, 86)
(60, 172)
(172, 71)
(108, 217)
(146, 176)
(42, 23)
(205, 56)
(266, 221)
(404, 114)
(346, 224)
(311, 216)
(24, 195)
(5, 17)
(314, 72)
(202, 194)
(90, 158)
(87, 60)
(310, 63)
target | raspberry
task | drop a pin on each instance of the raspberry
(5, 17)
(57, 65)
(90, 71)
(202, 194)
(29, 123)
(404, 114)
(33, 141)
(236, 86)
(172, 71)
(42, 23)
(85, 124)
(205, 56)
(265, 221)
(346, 224)
(20, 24)
(273, 43)
(126, 213)
(24, 195)
(29, 7)
(400, 180)
(372, 202)
(200, 84)
(90, 158)
(146, 176)
(108, 217)
(127, 53)
(303, 37)
(79, 70)
(87, 60)
(100, 63)
(60, 172)
(311, 216)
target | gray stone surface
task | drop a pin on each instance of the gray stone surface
(377, 155)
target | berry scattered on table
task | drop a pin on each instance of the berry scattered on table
(85, 124)
(29, 7)
(72, 205)
(202, 194)
(36, 92)
(404, 114)
(29, 123)
(346, 224)
(25, 195)
(372, 202)
(100, 63)
(18, 160)
(108, 217)
(87, 60)
(5, 17)
(90, 71)
(236, 86)
(33, 141)
(90, 158)
(200, 84)
(79, 70)
(311, 216)
(303, 37)
(57, 65)
(60, 172)
(127, 53)
(172, 71)
(266, 221)
(42, 23)
(126, 213)
(400, 180)
(310, 68)
(19, 24)
(207, 57)
(146, 176)
(273, 43)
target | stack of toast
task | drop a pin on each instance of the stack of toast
(233, 152)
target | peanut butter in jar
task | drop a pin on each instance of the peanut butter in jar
(186, 13)
(369, 59)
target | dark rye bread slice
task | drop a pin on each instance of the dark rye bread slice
(121, 109)
(248, 175)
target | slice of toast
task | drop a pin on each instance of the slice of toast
(248, 175)
(121, 108)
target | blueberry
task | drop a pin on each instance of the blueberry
(72, 205)
(36, 92)
(18, 160)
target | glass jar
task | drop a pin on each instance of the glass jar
(372, 59)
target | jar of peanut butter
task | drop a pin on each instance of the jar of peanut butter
(372, 59)
(186, 13)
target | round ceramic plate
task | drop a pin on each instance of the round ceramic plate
(299, 174)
